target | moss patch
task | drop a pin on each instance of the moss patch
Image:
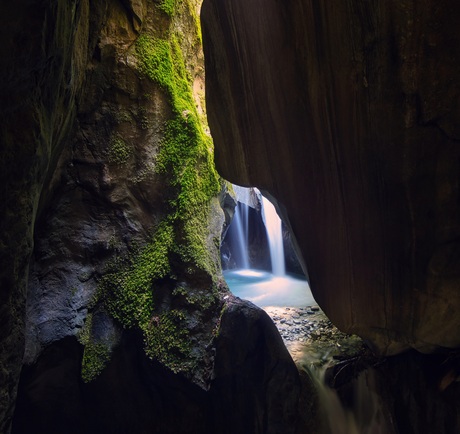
(167, 340)
(96, 354)
(127, 286)
(185, 155)
(119, 151)
(168, 6)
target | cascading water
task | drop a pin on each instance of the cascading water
(275, 237)
(262, 287)
(244, 199)
(277, 290)
(240, 237)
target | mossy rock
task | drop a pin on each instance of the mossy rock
(143, 288)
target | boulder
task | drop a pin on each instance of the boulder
(255, 387)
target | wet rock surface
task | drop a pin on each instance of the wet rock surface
(299, 324)
(311, 338)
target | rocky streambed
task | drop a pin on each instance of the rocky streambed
(311, 338)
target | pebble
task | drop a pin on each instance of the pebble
(299, 324)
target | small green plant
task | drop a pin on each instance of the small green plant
(168, 6)
(119, 152)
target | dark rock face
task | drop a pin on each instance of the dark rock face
(409, 393)
(41, 75)
(102, 195)
(253, 370)
(348, 115)
(255, 387)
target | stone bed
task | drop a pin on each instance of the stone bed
(311, 338)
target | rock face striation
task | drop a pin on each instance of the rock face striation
(348, 114)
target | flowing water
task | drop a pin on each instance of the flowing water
(240, 233)
(273, 227)
(261, 287)
(266, 289)
(277, 289)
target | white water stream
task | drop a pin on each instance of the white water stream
(262, 287)
(241, 226)
(273, 227)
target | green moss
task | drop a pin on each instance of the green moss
(127, 286)
(193, 13)
(119, 152)
(196, 297)
(168, 6)
(96, 354)
(185, 153)
(216, 331)
(167, 340)
(95, 358)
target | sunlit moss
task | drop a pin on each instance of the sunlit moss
(168, 6)
(127, 286)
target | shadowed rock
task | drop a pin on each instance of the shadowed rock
(348, 114)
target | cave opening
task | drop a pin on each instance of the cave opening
(258, 259)
(260, 264)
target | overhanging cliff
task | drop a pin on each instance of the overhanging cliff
(348, 114)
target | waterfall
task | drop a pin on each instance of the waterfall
(240, 235)
(275, 237)
(368, 415)
(243, 196)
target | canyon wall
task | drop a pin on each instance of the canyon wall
(348, 115)
(40, 79)
(112, 300)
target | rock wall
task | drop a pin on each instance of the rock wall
(41, 75)
(348, 115)
(409, 393)
(111, 228)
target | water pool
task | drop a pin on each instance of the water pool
(265, 289)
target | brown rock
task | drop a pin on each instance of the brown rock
(348, 115)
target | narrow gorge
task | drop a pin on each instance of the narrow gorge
(122, 125)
